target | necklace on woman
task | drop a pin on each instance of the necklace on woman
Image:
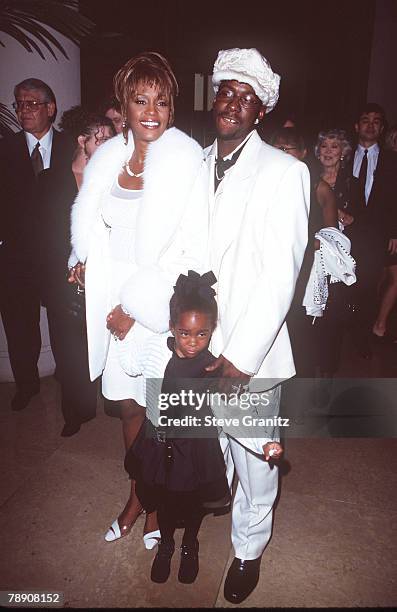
(331, 179)
(130, 172)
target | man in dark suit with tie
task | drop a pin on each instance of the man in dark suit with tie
(37, 191)
(373, 232)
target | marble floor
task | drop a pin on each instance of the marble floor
(334, 534)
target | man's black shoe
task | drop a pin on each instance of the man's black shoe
(241, 579)
(69, 429)
(22, 398)
(162, 562)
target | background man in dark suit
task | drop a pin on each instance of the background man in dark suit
(373, 232)
(37, 191)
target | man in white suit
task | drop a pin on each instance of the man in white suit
(258, 211)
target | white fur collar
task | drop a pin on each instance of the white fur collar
(171, 167)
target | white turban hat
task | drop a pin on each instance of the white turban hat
(248, 66)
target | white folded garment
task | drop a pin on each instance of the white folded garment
(331, 259)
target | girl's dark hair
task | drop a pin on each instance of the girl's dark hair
(194, 292)
(290, 136)
(77, 121)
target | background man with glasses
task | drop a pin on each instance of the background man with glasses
(36, 193)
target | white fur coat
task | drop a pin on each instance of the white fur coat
(171, 216)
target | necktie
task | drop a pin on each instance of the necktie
(37, 160)
(362, 177)
(221, 165)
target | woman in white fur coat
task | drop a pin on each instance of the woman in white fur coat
(136, 226)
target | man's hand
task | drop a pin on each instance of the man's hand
(392, 246)
(119, 323)
(77, 274)
(272, 450)
(231, 377)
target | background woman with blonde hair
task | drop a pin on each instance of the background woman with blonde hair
(333, 150)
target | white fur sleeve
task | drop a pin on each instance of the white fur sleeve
(146, 297)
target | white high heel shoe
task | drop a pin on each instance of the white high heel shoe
(151, 539)
(116, 533)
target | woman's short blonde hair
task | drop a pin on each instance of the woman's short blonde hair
(148, 67)
(335, 134)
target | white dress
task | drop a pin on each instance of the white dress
(120, 214)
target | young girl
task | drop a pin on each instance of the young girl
(177, 473)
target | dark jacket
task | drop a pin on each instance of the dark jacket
(378, 219)
(35, 213)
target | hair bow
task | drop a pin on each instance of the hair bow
(194, 283)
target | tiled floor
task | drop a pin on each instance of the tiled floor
(334, 531)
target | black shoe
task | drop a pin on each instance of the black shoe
(69, 429)
(162, 562)
(189, 566)
(241, 579)
(22, 398)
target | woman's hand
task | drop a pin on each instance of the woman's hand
(119, 323)
(345, 218)
(77, 274)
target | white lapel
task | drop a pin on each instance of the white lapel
(228, 205)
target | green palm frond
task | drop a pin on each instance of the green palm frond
(7, 120)
(25, 21)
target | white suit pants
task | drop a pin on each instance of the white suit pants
(256, 492)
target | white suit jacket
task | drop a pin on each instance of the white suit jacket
(258, 231)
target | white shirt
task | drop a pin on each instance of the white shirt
(45, 146)
(373, 154)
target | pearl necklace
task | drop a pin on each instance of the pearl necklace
(130, 172)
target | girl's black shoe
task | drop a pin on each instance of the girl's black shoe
(189, 566)
(161, 566)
